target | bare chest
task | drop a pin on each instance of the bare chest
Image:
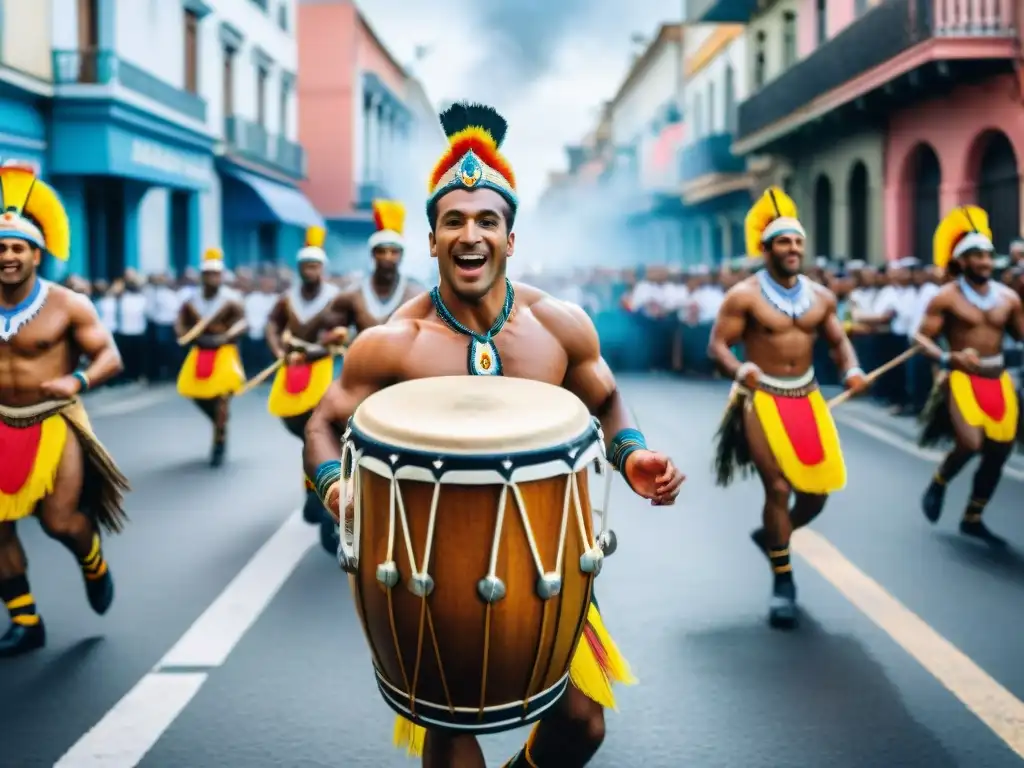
(44, 334)
(770, 321)
(528, 353)
(966, 316)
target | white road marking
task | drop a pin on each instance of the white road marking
(990, 702)
(214, 635)
(890, 438)
(131, 728)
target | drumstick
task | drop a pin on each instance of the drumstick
(197, 330)
(260, 377)
(870, 378)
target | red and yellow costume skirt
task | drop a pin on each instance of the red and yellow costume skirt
(29, 459)
(211, 373)
(596, 665)
(32, 441)
(297, 389)
(798, 428)
(985, 401)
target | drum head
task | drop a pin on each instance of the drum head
(473, 415)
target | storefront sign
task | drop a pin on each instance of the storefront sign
(166, 160)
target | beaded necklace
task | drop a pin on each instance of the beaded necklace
(483, 358)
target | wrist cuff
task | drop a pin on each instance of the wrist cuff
(83, 379)
(623, 444)
(856, 371)
(327, 474)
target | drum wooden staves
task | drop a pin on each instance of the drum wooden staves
(472, 549)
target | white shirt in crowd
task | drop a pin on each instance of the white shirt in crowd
(106, 308)
(708, 299)
(132, 306)
(902, 302)
(646, 295)
(863, 299)
(925, 294)
(164, 305)
(257, 312)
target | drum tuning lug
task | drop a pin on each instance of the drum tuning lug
(491, 589)
(421, 584)
(348, 564)
(608, 542)
(387, 574)
(591, 560)
(549, 585)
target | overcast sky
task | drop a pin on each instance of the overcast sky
(545, 64)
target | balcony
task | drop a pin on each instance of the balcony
(252, 142)
(367, 192)
(104, 69)
(897, 52)
(709, 156)
(721, 11)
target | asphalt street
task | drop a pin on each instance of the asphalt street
(909, 652)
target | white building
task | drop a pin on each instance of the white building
(174, 129)
(715, 185)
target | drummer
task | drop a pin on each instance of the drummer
(457, 329)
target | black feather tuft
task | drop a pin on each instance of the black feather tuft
(460, 116)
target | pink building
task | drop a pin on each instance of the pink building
(881, 115)
(358, 114)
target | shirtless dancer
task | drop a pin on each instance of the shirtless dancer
(777, 422)
(212, 370)
(51, 464)
(478, 323)
(973, 402)
(295, 332)
(374, 301)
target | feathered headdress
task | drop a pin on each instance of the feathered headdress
(31, 210)
(389, 218)
(965, 229)
(313, 250)
(473, 159)
(773, 215)
(213, 260)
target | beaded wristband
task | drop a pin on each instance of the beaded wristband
(855, 371)
(623, 444)
(83, 379)
(327, 474)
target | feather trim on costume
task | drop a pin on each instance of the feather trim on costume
(315, 237)
(597, 662)
(936, 420)
(389, 216)
(732, 451)
(961, 221)
(409, 736)
(773, 204)
(37, 205)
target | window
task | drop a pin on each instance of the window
(822, 21)
(284, 110)
(191, 52)
(228, 82)
(88, 41)
(788, 39)
(282, 16)
(698, 118)
(860, 7)
(730, 100)
(261, 96)
(759, 60)
(711, 107)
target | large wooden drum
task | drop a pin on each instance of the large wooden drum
(472, 550)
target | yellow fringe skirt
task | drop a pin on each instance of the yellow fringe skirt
(596, 665)
(29, 459)
(989, 404)
(298, 389)
(210, 373)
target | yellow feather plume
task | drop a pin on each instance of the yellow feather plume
(39, 202)
(213, 254)
(315, 237)
(774, 204)
(389, 215)
(959, 222)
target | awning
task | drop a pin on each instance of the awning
(259, 200)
